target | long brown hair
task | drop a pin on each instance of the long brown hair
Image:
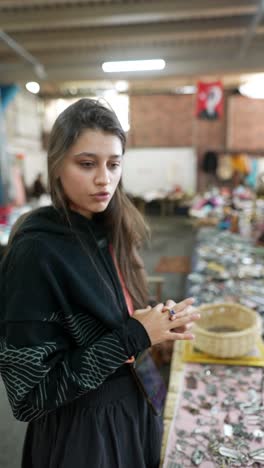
(126, 225)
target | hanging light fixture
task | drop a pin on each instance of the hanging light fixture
(254, 87)
(133, 65)
(33, 87)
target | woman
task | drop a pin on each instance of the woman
(70, 283)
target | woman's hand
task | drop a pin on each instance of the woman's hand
(170, 304)
(160, 327)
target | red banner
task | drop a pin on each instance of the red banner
(209, 100)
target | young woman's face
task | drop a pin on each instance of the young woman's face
(91, 171)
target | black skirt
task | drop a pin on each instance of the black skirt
(111, 427)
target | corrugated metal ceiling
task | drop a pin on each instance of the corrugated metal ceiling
(70, 39)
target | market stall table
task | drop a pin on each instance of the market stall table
(214, 413)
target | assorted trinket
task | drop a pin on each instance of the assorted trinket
(219, 419)
(227, 268)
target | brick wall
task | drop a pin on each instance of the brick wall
(167, 120)
(245, 123)
(163, 120)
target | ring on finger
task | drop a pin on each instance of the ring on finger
(171, 313)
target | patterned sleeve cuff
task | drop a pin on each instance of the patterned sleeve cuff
(133, 337)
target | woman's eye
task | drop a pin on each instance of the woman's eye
(115, 165)
(87, 164)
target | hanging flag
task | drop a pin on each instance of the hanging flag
(209, 100)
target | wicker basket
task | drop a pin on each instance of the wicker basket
(245, 322)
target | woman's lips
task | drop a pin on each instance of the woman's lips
(101, 196)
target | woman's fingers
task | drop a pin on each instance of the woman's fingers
(189, 326)
(183, 328)
(177, 308)
(183, 305)
(157, 307)
(180, 305)
(142, 311)
(184, 319)
(169, 305)
(179, 336)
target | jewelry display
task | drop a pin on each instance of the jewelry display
(223, 418)
(227, 268)
(218, 416)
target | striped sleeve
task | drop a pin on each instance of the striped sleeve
(35, 386)
(40, 367)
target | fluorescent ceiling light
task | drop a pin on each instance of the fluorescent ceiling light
(133, 65)
(253, 88)
(33, 87)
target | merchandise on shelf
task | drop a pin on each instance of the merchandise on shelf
(227, 268)
(238, 210)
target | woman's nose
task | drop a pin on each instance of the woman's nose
(102, 176)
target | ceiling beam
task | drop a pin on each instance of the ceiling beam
(170, 51)
(135, 35)
(24, 54)
(256, 20)
(120, 14)
(16, 4)
(173, 68)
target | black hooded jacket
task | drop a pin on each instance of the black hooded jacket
(64, 323)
